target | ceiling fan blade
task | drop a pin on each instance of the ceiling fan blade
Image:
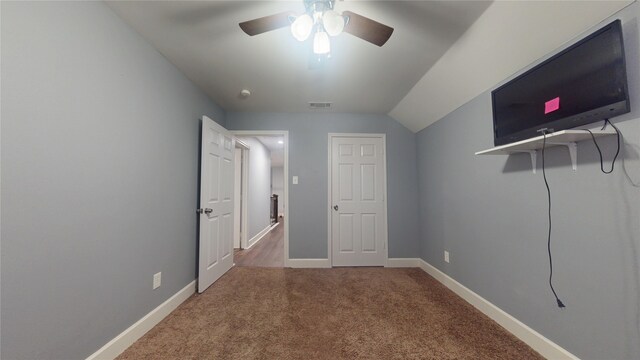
(367, 29)
(267, 23)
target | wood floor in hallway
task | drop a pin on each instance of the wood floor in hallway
(268, 252)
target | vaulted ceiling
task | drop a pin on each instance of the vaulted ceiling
(441, 54)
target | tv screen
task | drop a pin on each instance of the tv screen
(584, 83)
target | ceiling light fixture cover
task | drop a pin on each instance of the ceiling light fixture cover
(301, 27)
(333, 22)
(321, 44)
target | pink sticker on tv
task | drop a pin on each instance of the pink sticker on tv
(552, 105)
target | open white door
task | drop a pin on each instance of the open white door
(358, 186)
(216, 203)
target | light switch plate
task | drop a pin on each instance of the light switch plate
(295, 180)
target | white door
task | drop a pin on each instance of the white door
(358, 183)
(216, 203)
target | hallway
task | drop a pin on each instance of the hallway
(268, 252)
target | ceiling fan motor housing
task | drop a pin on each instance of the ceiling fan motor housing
(312, 6)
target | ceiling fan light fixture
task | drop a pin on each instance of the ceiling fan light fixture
(321, 43)
(333, 22)
(301, 27)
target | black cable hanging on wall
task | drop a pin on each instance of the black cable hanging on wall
(613, 163)
(546, 183)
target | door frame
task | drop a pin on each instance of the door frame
(244, 170)
(287, 219)
(384, 192)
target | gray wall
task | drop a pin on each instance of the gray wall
(99, 178)
(490, 212)
(308, 160)
(277, 186)
(258, 187)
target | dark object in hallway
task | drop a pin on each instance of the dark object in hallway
(274, 208)
(339, 313)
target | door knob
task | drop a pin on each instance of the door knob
(204, 211)
(335, 207)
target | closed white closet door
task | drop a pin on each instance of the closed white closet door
(358, 183)
(216, 203)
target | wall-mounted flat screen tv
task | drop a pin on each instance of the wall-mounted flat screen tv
(584, 83)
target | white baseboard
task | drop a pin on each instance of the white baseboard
(254, 240)
(403, 262)
(121, 342)
(309, 263)
(539, 343)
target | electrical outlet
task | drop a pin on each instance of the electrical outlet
(157, 280)
(295, 180)
(446, 256)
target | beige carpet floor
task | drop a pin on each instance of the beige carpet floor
(340, 313)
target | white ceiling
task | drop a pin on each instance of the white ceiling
(508, 37)
(204, 40)
(429, 67)
(276, 149)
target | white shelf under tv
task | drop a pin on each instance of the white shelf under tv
(568, 138)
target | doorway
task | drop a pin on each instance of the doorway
(264, 239)
(357, 200)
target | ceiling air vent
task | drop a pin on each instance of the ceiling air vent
(319, 105)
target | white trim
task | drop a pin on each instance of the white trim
(309, 263)
(385, 199)
(240, 143)
(285, 135)
(329, 198)
(121, 342)
(244, 190)
(384, 195)
(287, 219)
(254, 240)
(537, 341)
(403, 262)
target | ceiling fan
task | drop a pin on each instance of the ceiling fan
(321, 18)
